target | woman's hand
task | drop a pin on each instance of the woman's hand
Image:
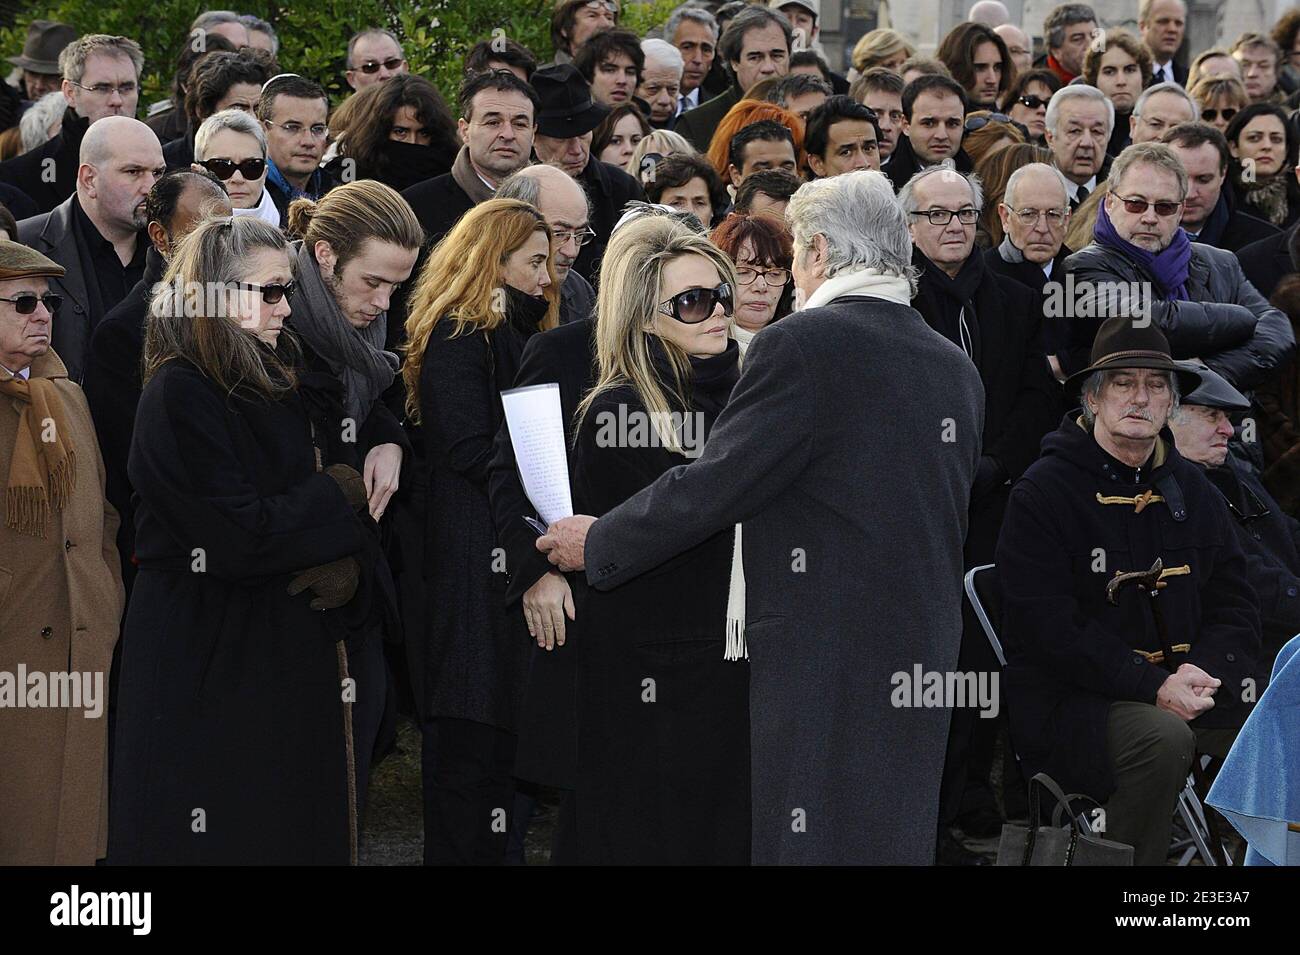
(382, 470)
(545, 604)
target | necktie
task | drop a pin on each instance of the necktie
(1080, 198)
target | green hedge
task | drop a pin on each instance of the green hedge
(436, 34)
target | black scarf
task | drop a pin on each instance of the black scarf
(402, 165)
(524, 312)
(711, 378)
(951, 306)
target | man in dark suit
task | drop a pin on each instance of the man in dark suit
(1209, 211)
(809, 455)
(97, 234)
(101, 77)
(1270, 260)
(934, 110)
(1163, 24)
(755, 46)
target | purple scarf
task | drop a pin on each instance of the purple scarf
(1169, 266)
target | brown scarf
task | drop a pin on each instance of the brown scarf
(1268, 197)
(43, 470)
(462, 170)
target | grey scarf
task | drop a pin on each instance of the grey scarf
(356, 356)
(1008, 251)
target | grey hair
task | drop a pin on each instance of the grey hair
(1066, 15)
(694, 14)
(907, 195)
(527, 187)
(1151, 91)
(233, 119)
(1152, 154)
(752, 17)
(1078, 91)
(796, 84)
(34, 127)
(370, 31)
(663, 53)
(863, 224)
(1092, 388)
(1015, 178)
(256, 24)
(211, 18)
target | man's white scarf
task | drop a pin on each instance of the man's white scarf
(861, 281)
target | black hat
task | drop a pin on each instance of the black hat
(567, 108)
(1214, 391)
(45, 41)
(1121, 343)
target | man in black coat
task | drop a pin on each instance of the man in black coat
(934, 110)
(1210, 214)
(754, 46)
(566, 120)
(853, 526)
(101, 77)
(1094, 701)
(1143, 264)
(1270, 537)
(995, 321)
(1266, 262)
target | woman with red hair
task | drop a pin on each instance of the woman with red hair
(744, 113)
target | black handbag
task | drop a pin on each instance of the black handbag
(1073, 844)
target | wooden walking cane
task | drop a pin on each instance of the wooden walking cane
(1150, 582)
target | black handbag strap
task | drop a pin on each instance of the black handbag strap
(1070, 799)
(1048, 783)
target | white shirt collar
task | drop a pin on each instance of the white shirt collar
(25, 374)
(1047, 267)
(1073, 187)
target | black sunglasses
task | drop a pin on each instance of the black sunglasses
(223, 169)
(271, 294)
(1210, 115)
(979, 122)
(1033, 102)
(696, 304)
(372, 66)
(25, 304)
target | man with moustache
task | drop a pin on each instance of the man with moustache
(1209, 211)
(1079, 122)
(934, 112)
(97, 234)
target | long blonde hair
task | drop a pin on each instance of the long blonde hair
(461, 281)
(626, 303)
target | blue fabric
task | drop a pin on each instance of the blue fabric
(1258, 789)
(274, 176)
(1169, 265)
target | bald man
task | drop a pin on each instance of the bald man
(1018, 44)
(990, 13)
(97, 234)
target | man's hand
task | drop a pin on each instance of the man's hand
(545, 604)
(382, 471)
(565, 542)
(1187, 693)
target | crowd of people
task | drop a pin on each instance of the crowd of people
(823, 344)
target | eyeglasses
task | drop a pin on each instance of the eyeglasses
(606, 5)
(696, 304)
(746, 275)
(319, 131)
(371, 67)
(1210, 115)
(979, 122)
(272, 293)
(25, 304)
(966, 216)
(1033, 102)
(223, 169)
(1139, 206)
(1030, 217)
(108, 89)
(582, 236)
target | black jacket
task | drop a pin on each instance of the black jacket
(1226, 323)
(904, 163)
(1054, 336)
(16, 201)
(404, 164)
(699, 124)
(609, 189)
(28, 173)
(179, 153)
(1070, 654)
(1229, 228)
(1266, 262)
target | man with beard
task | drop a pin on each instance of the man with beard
(995, 321)
(97, 233)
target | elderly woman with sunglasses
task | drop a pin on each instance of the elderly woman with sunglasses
(662, 686)
(232, 146)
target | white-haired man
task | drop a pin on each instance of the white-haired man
(842, 474)
(661, 81)
(1159, 109)
(1079, 122)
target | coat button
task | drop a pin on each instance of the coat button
(1290, 591)
(1232, 657)
(47, 632)
(67, 545)
(78, 309)
(1138, 659)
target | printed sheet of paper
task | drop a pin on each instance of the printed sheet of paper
(537, 433)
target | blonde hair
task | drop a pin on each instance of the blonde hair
(626, 304)
(1217, 86)
(352, 213)
(461, 281)
(877, 46)
(662, 141)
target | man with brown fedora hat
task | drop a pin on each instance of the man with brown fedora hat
(1092, 700)
(566, 119)
(61, 591)
(39, 60)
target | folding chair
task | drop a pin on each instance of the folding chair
(985, 597)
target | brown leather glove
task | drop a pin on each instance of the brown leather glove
(351, 484)
(333, 583)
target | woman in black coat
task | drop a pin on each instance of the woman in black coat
(662, 686)
(232, 742)
(486, 288)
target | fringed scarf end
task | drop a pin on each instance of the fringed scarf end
(26, 510)
(736, 649)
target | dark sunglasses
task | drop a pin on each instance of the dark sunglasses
(979, 122)
(271, 294)
(1139, 206)
(372, 66)
(1210, 115)
(1033, 102)
(223, 169)
(696, 304)
(25, 304)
